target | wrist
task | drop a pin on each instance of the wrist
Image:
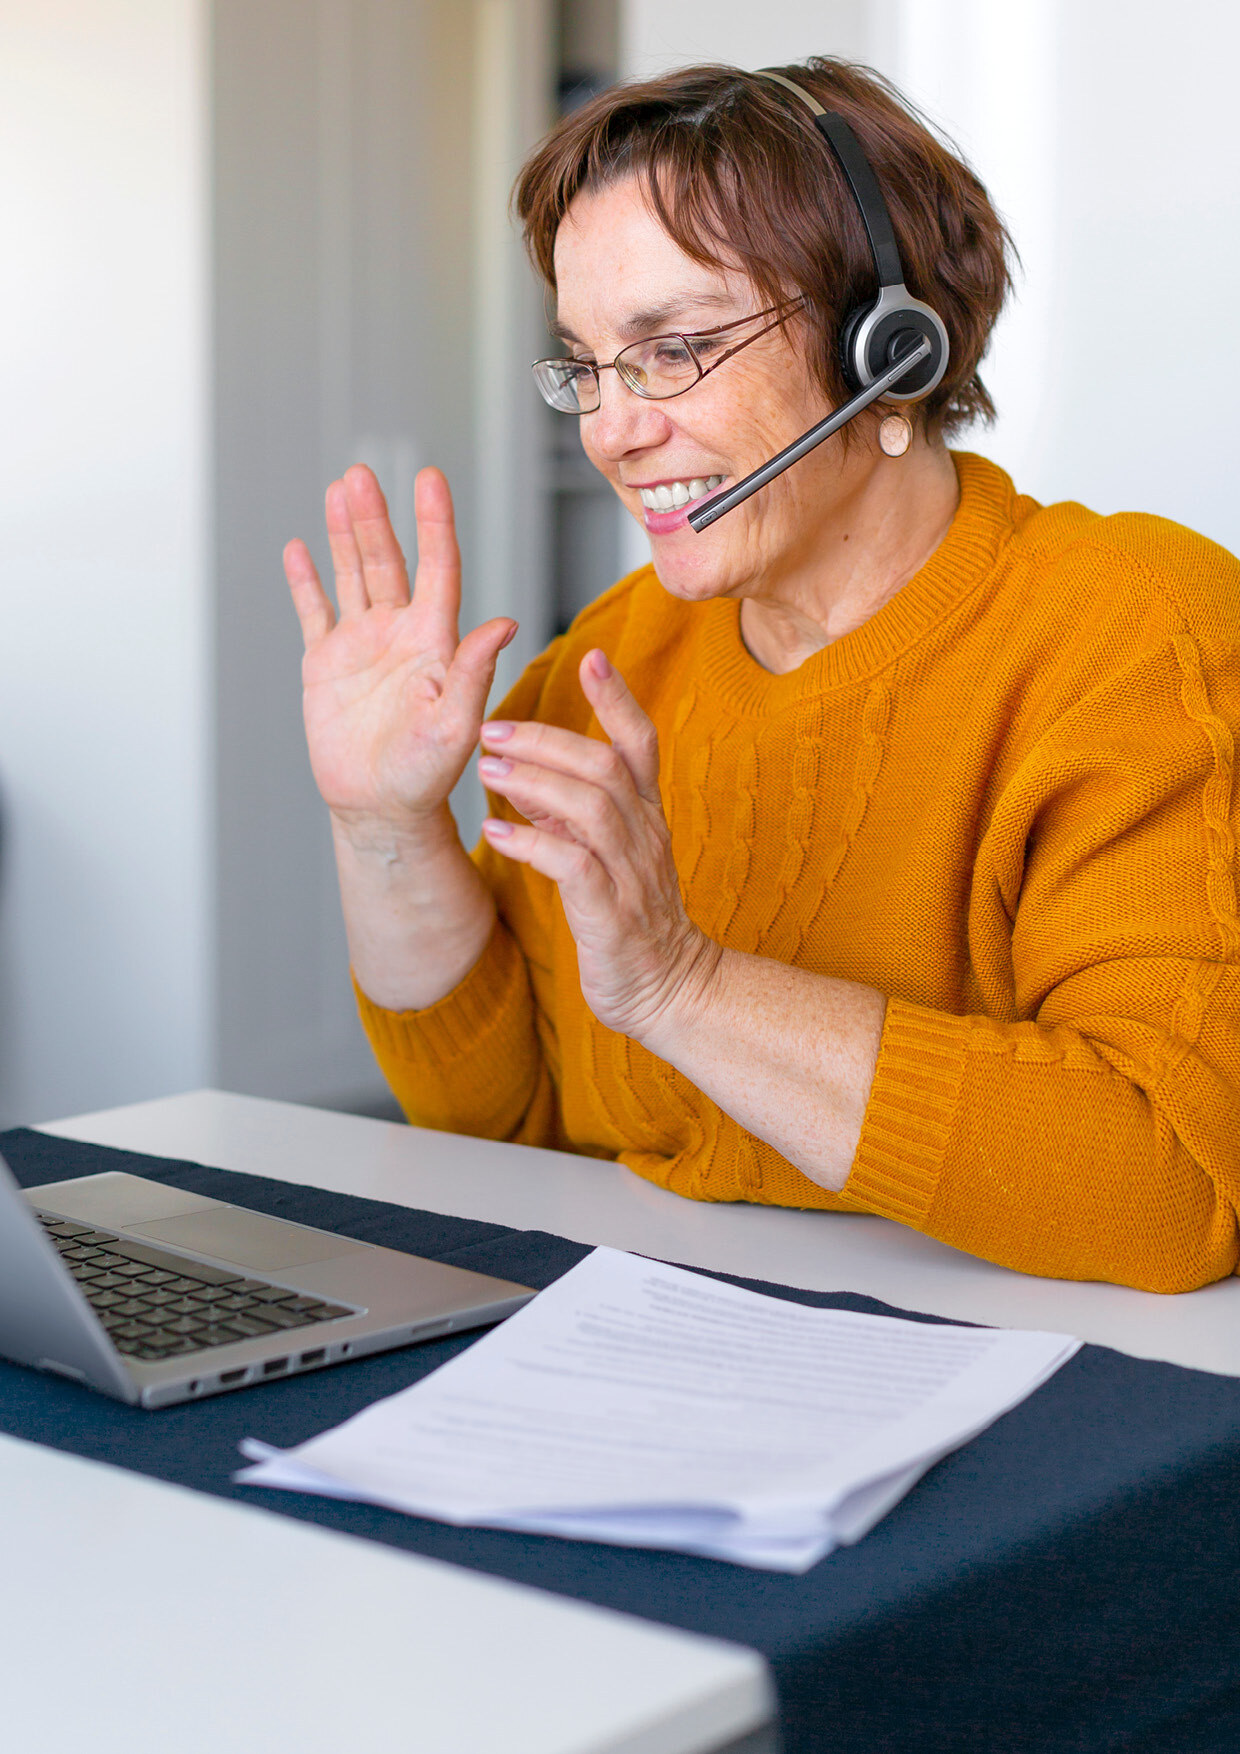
(692, 997)
(397, 842)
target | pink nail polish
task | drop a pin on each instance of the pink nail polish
(600, 666)
(497, 730)
(497, 829)
(493, 767)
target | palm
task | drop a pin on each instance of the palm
(393, 701)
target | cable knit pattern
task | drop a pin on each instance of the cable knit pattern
(1007, 801)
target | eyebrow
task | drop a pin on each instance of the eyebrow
(654, 320)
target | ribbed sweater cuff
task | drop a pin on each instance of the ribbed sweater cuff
(909, 1117)
(486, 1009)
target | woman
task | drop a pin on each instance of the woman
(874, 849)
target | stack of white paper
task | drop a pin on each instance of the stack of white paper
(649, 1406)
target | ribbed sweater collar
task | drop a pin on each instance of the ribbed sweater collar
(983, 523)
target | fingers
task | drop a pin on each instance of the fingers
(351, 593)
(310, 600)
(566, 862)
(383, 564)
(585, 811)
(628, 764)
(437, 585)
(624, 722)
(370, 567)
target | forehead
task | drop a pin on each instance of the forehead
(618, 271)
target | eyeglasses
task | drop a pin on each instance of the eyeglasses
(657, 368)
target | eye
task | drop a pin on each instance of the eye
(671, 354)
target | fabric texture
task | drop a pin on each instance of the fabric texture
(1062, 1585)
(1007, 802)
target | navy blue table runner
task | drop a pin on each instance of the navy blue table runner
(1069, 1583)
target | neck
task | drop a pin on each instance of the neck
(881, 531)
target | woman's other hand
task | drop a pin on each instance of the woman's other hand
(393, 696)
(595, 826)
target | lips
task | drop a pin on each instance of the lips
(668, 496)
(674, 500)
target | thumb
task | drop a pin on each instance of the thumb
(472, 670)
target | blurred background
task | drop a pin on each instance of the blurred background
(246, 242)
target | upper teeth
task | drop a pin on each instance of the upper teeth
(670, 494)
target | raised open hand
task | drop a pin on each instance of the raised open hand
(394, 697)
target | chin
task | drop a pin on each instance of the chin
(694, 578)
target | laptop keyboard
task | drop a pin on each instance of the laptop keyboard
(157, 1305)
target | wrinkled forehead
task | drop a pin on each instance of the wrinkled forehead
(620, 275)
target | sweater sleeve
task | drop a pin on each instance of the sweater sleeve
(473, 1062)
(1096, 1133)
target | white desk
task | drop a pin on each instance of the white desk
(598, 1202)
(136, 1615)
(429, 1657)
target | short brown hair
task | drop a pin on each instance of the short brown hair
(738, 176)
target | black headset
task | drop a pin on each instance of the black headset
(894, 346)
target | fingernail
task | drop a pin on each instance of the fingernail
(599, 666)
(497, 731)
(508, 637)
(496, 829)
(493, 767)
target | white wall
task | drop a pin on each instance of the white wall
(244, 245)
(1106, 135)
(105, 974)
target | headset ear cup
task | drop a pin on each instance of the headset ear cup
(885, 333)
(849, 363)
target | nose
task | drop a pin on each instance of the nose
(623, 421)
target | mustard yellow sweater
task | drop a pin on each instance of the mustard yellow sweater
(1006, 802)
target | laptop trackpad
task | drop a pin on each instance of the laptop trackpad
(227, 1233)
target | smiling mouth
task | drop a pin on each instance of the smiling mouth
(669, 496)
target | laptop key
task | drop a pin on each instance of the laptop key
(62, 1227)
(109, 1281)
(285, 1318)
(249, 1325)
(218, 1336)
(165, 1262)
(132, 1331)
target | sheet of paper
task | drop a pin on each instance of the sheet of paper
(647, 1405)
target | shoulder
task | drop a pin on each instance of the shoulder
(1145, 576)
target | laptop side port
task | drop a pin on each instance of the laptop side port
(229, 1377)
(274, 1366)
(315, 1357)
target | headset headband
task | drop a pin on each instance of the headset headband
(861, 180)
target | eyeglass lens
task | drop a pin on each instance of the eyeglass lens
(662, 366)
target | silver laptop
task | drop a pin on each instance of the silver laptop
(156, 1296)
